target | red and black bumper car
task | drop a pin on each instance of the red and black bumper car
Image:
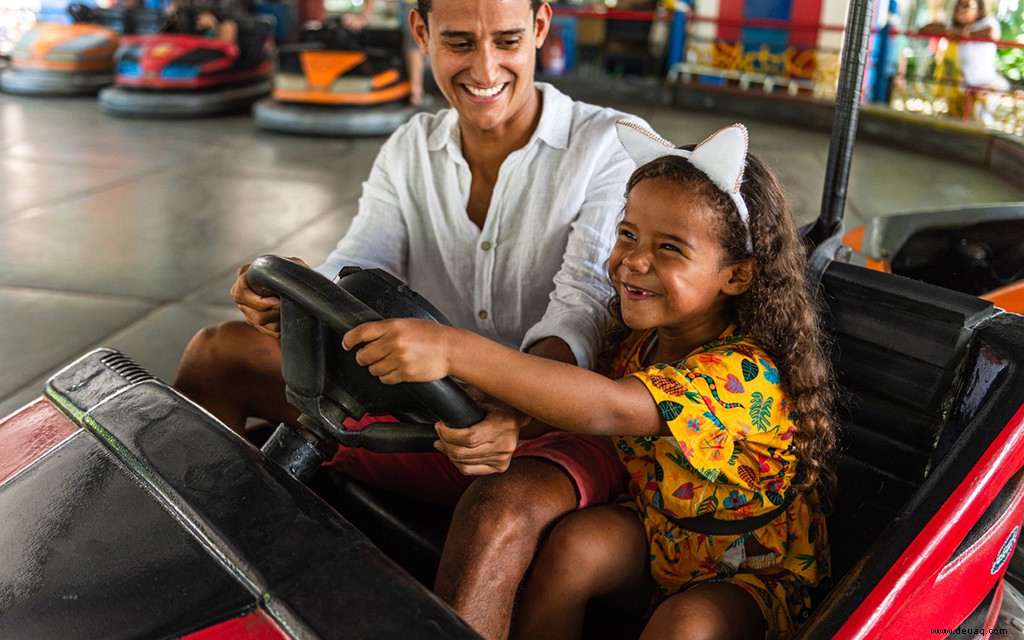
(139, 515)
(131, 512)
(185, 75)
(337, 83)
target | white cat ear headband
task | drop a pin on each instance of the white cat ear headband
(721, 157)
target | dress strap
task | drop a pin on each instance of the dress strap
(710, 525)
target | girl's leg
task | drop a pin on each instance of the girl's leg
(708, 611)
(599, 551)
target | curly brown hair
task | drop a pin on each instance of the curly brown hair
(779, 310)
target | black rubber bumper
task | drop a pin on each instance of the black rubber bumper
(39, 82)
(120, 101)
(326, 120)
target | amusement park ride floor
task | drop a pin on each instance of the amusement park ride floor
(127, 233)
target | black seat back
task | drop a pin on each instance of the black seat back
(254, 33)
(898, 347)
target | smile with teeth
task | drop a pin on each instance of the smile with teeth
(488, 92)
(636, 293)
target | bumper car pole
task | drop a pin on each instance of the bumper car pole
(844, 126)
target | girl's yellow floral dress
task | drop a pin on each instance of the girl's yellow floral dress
(731, 454)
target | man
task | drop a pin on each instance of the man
(501, 212)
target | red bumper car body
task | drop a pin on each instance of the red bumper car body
(186, 62)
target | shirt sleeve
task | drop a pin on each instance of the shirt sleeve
(577, 311)
(378, 237)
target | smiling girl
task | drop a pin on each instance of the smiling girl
(718, 398)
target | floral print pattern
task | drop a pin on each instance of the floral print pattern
(732, 453)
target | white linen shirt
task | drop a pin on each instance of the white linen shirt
(538, 267)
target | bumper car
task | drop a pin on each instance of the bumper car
(187, 75)
(977, 250)
(336, 83)
(140, 515)
(55, 59)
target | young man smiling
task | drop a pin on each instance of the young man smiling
(501, 212)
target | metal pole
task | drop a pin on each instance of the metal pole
(677, 35)
(844, 127)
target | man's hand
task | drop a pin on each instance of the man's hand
(354, 22)
(262, 312)
(207, 20)
(484, 448)
(403, 350)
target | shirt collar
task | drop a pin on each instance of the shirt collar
(648, 340)
(444, 129)
(556, 112)
(555, 118)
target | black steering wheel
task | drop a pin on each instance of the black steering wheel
(326, 384)
(83, 13)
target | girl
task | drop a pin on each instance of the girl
(719, 349)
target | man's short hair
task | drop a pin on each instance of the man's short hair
(424, 6)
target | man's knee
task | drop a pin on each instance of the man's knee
(220, 345)
(220, 353)
(522, 502)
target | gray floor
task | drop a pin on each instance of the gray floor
(127, 233)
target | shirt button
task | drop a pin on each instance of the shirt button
(483, 314)
(485, 245)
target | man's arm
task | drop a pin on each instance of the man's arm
(576, 313)
(553, 349)
(487, 446)
(378, 237)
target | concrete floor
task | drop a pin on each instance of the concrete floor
(127, 233)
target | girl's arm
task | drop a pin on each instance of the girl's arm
(560, 394)
(982, 29)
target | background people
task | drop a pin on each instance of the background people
(977, 60)
(185, 17)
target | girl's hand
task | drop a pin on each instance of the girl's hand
(484, 448)
(403, 350)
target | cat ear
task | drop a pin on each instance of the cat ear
(643, 145)
(722, 157)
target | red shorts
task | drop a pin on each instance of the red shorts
(590, 461)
